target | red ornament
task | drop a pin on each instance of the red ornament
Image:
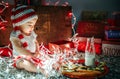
(25, 44)
(20, 36)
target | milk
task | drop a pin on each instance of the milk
(89, 59)
(90, 52)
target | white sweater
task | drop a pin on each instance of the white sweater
(29, 39)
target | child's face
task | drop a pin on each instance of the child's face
(28, 27)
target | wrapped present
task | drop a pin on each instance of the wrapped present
(116, 18)
(116, 15)
(62, 44)
(117, 22)
(94, 16)
(111, 22)
(110, 48)
(112, 33)
(90, 29)
(83, 42)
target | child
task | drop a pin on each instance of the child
(23, 38)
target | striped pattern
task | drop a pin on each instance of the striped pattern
(21, 15)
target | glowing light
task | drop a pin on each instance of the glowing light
(18, 75)
(2, 28)
(70, 14)
(74, 22)
(62, 56)
(3, 6)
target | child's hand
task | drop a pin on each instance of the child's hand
(37, 54)
(28, 57)
(56, 66)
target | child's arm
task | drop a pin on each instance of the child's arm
(37, 49)
(18, 47)
(37, 46)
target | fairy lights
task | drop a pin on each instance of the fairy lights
(3, 6)
(49, 60)
(7, 71)
(57, 3)
(74, 22)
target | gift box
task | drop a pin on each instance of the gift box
(62, 45)
(116, 18)
(116, 15)
(110, 48)
(83, 41)
(112, 33)
(89, 29)
(111, 22)
(94, 16)
(117, 23)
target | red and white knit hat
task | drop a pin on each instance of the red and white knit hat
(22, 14)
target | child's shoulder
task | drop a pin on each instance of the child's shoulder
(14, 38)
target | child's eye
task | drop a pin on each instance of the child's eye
(30, 25)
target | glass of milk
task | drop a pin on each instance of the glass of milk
(89, 59)
(90, 52)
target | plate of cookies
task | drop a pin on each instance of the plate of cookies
(79, 70)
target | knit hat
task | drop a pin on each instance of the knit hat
(22, 14)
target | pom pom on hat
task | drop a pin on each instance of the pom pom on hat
(22, 14)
